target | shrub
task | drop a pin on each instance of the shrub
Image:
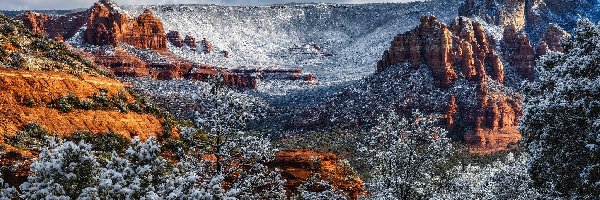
(8, 29)
(101, 99)
(32, 136)
(105, 142)
(66, 103)
(17, 60)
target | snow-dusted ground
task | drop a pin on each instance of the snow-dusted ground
(261, 36)
(284, 36)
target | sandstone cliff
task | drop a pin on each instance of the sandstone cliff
(464, 44)
(463, 50)
(109, 26)
(62, 91)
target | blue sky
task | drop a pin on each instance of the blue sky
(69, 4)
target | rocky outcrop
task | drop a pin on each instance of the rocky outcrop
(34, 21)
(122, 63)
(430, 44)
(552, 40)
(499, 12)
(54, 26)
(495, 123)
(487, 122)
(519, 52)
(207, 46)
(175, 39)
(465, 45)
(109, 26)
(299, 165)
(531, 16)
(191, 42)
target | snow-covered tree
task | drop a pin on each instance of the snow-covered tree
(561, 121)
(62, 171)
(303, 192)
(506, 178)
(239, 169)
(227, 154)
(405, 155)
(138, 175)
(7, 192)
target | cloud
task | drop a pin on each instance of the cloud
(70, 4)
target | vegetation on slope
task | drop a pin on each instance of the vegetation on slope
(22, 49)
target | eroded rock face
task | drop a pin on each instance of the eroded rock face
(122, 63)
(299, 165)
(430, 44)
(175, 39)
(487, 122)
(190, 41)
(34, 21)
(552, 40)
(496, 122)
(464, 44)
(531, 16)
(519, 52)
(108, 26)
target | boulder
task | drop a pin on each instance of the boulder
(299, 165)
(175, 39)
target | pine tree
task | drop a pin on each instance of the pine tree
(61, 172)
(561, 122)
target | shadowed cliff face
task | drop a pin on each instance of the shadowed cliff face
(532, 16)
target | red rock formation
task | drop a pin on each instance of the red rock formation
(519, 52)
(191, 41)
(108, 26)
(551, 40)
(146, 31)
(122, 63)
(430, 43)
(495, 123)
(467, 47)
(232, 79)
(465, 44)
(299, 165)
(34, 21)
(206, 45)
(451, 112)
(175, 38)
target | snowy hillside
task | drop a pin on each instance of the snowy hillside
(288, 35)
